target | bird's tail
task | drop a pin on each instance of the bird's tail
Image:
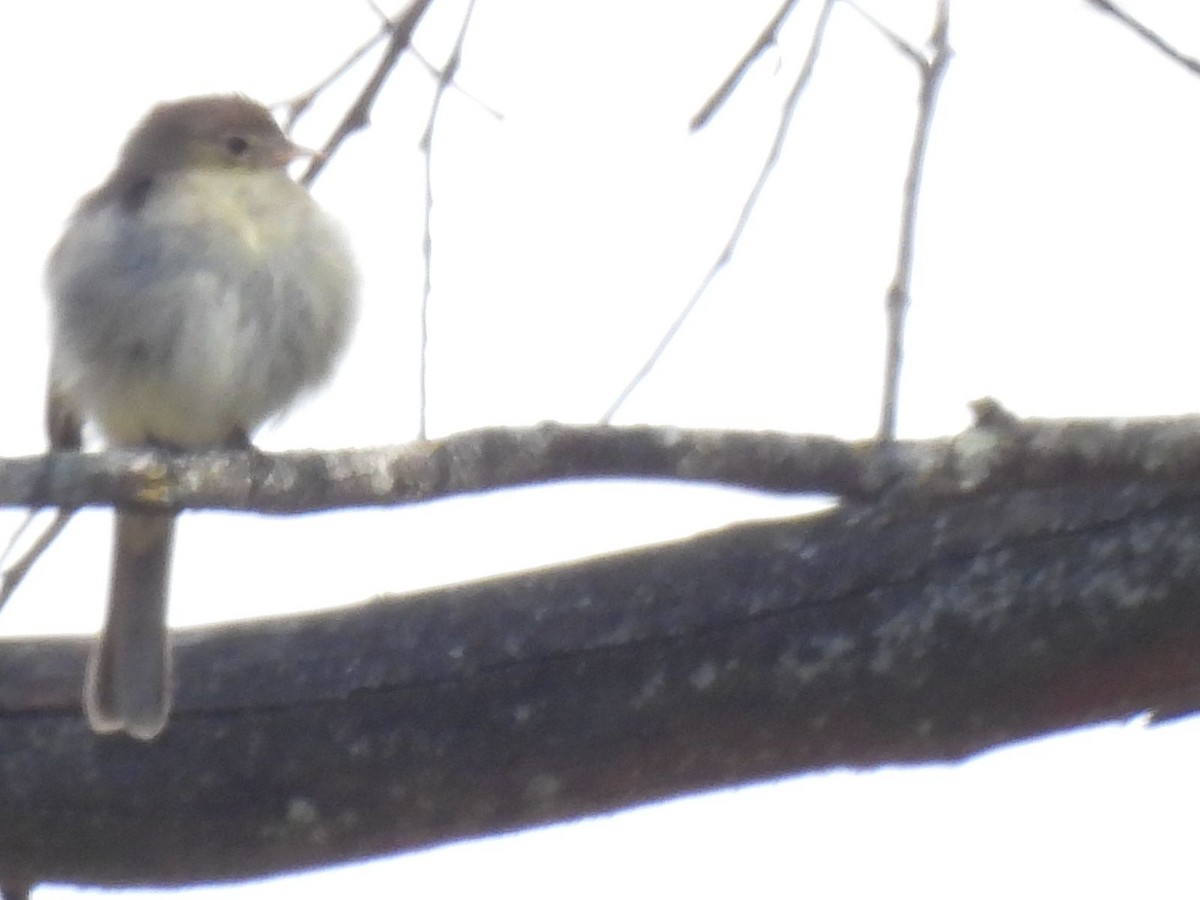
(128, 684)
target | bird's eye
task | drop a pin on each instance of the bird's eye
(237, 145)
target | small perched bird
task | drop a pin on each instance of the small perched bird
(194, 295)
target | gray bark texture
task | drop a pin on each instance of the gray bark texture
(1021, 579)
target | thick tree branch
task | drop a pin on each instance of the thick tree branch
(860, 636)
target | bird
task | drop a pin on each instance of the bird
(196, 294)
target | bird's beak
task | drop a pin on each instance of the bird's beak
(290, 152)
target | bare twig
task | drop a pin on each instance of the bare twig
(1152, 37)
(383, 17)
(932, 68)
(768, 37)
(436, 73)
(298, 105)
(12, 576)
(15, 537)
(785, 120)
(359, 114)
(444, 80)
(897, 42)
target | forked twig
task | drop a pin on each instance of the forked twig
(932, 67)
(785, 120)
(444, 79)
(436, 73)
(359, 113)
(298, 105)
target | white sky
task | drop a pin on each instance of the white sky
(1056, 270)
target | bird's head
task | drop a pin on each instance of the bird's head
(225, 131)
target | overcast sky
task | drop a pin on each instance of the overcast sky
(1056, 269)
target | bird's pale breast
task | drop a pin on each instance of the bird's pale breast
(207, 309)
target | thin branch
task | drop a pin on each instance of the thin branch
(12, 576)
(383, 17)
(359, 114)
(932, 70)
(768, 38)
(444, 79)
(298, 105)
(726, 254)
(15, 537)
(436, 73)
(892, 37)
(1149, 35)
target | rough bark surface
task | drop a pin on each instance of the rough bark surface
(913, 629)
